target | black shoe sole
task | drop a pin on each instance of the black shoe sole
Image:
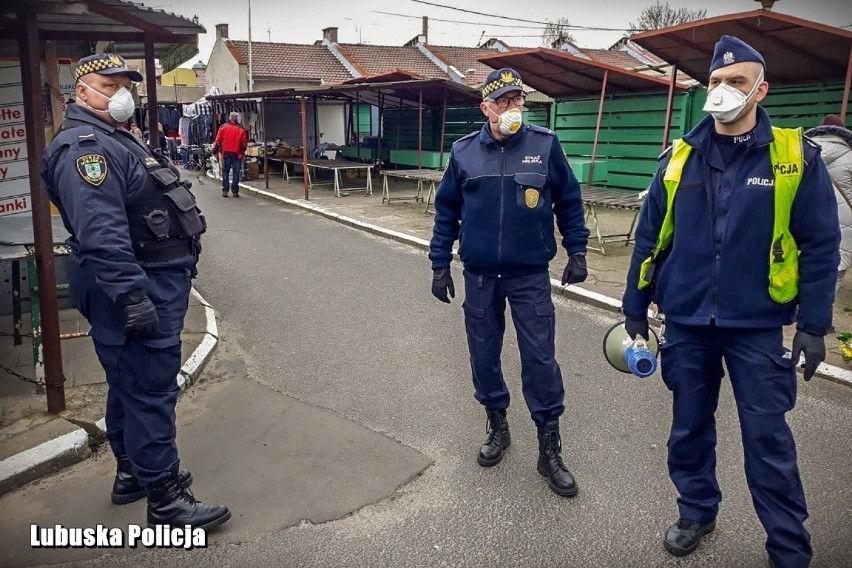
(558, 490)
(212, 524)
(128, 498)
(677, 551)
(492, 462)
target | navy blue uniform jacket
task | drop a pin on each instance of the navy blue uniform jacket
(717, 268)
(483, 201)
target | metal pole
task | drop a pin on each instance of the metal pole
(316, 121)
(845, 103)
(358, 124)
(265, 145)
(250, 78)
(443, 131)
(669, 108)
(151, 87)
(378, 161)
(28, 45)
(420, 130)
(53, 79)
(305, 174)
(597, 129)
(398, 122)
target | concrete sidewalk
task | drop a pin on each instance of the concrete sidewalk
(34, 443)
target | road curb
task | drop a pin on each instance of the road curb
(70, 448)
(576, 293)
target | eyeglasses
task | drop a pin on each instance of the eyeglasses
(503, 102)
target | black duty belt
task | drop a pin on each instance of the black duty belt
(162, 251)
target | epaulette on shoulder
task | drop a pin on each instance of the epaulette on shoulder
(665, 153)
(812, 142)
(539, 129)
(84, 133)
(467, 137)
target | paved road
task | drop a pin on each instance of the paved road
(343, 321)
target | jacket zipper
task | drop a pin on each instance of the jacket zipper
(502, 195)
(718, 255)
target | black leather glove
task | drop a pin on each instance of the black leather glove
(636, 327)
(813, 347)
(442, 284)
(141, 316)
(575, 271)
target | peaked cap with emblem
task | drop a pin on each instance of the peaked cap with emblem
(730, 50)
(105, 64)
(501, 81)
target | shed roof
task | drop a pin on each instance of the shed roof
(796, 50)
(406, 92)
(561, 75)
(74, 26)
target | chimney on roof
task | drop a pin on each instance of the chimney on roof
(425, 32)
(330, 34)
(222, 31)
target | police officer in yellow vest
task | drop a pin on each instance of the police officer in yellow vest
(738, 237)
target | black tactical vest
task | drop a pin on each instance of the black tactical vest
(165, 221)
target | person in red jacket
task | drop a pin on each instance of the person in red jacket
(232, 141)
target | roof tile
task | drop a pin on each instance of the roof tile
(289, 60)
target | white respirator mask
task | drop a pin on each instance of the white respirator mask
(726, 103)
(510, 121)
(121, 105)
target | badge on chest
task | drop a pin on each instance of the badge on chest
(531, 196)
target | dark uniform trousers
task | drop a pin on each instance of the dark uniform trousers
(141, 374)
(764, 387)
(533, 315)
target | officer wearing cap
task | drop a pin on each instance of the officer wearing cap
(499, 194)
(134, 242)
(737, 238)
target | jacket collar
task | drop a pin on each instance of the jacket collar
(843, 133)
(81, 114)
(701, 136)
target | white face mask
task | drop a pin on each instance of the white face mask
(121, 105)
(726, 103)
(510, 121)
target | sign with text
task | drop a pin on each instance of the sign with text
(14, 171)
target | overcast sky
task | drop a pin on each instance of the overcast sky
(393, 22)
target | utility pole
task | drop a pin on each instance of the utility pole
(250, 80)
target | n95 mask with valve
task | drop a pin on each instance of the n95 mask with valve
(726, 103)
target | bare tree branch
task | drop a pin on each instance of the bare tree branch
(659, 16)
(556, 33)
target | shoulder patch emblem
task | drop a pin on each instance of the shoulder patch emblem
(151, 162)
(92, 168)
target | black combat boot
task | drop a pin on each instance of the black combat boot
(550, 461)
(126, 488)
(498, 440)
(170, 502)
(683, 536)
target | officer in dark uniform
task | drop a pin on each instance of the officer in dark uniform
(498, 197)
(753, 238)
(135, 239)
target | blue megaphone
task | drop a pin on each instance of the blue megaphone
(634, 356)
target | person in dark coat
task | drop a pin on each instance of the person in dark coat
(737, 238)
(499, 195)
(134, 239)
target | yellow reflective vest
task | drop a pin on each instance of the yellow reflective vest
(787, 158)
